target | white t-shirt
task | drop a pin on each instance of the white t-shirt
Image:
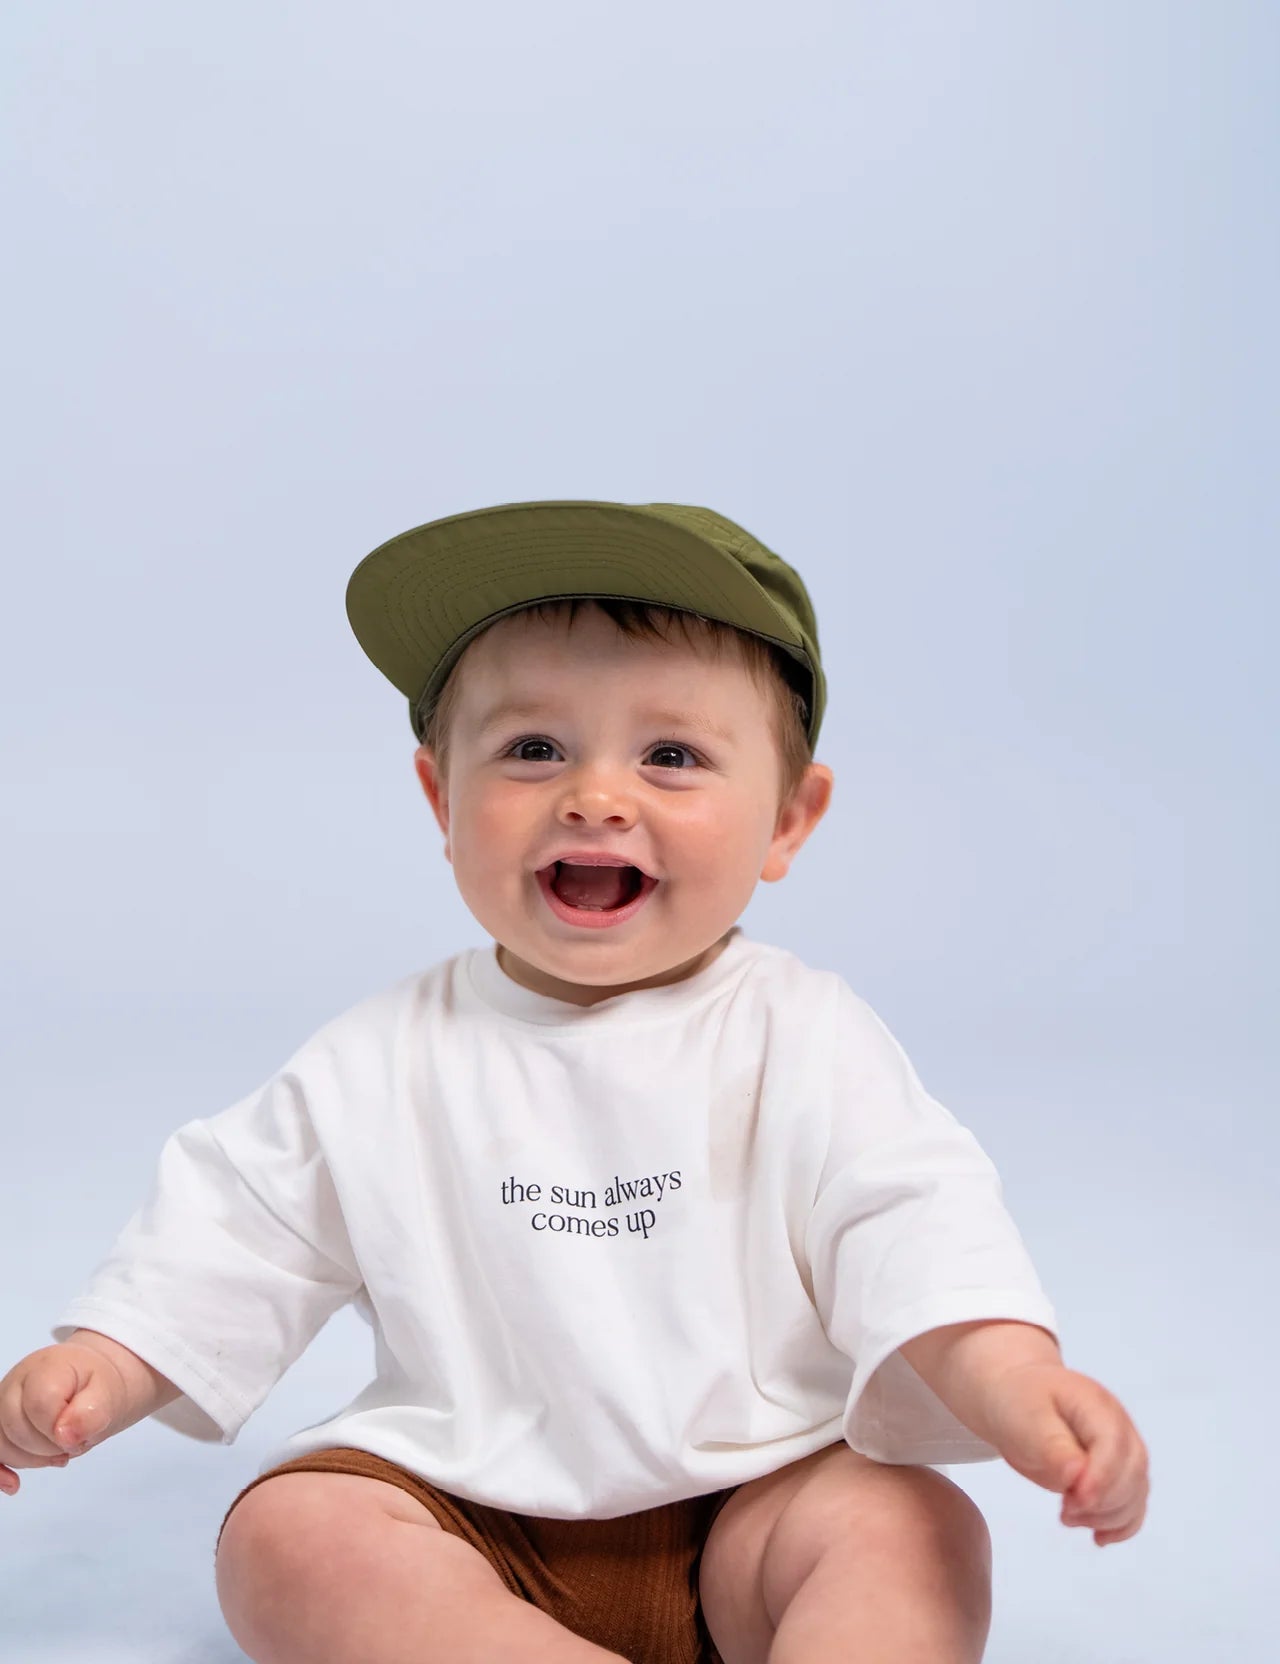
(612, 1255)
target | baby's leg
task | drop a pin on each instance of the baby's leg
(838, 1556)
(334, 1568)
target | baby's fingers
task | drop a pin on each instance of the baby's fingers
(22, 1442)
(1118, 1533)
(1110, 1525)
(9, 1481)
(1116, 1475)
(1104, 1519)
(11, 1485)
(30, 1401)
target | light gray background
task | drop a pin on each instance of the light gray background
(969, 312)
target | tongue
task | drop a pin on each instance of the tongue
(593, 886)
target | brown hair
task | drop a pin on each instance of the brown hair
(772, 670)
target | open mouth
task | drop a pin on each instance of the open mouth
(595, 889)
(594, 896)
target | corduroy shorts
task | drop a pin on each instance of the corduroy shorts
(629, 1584)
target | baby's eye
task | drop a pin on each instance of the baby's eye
(674, 745)
(662, 745)
(520, 745)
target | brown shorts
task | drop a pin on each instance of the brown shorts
(629, 1584)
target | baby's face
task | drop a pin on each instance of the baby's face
(613, 759)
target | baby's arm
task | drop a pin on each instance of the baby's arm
(1063, 1430)
(960, 1360)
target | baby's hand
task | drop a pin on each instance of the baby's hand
(59, 1399)
(1066, 1432)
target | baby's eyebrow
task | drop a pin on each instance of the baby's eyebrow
(521, 710)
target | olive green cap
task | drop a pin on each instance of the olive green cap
(417, 600)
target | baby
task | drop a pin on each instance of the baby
(681, 1284)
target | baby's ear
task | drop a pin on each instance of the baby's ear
(426, 768)
(434, 785)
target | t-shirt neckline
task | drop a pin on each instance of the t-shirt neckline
(503, 994)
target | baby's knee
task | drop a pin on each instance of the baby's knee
(922, 1523)
(254, 1561)
(303, 1554)
(954, 1509)
(933, 1507)
(280, 1547)
(916, 1515)
(959, 1546)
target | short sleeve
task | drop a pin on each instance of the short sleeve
(237, 1258)
(908, 1232)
